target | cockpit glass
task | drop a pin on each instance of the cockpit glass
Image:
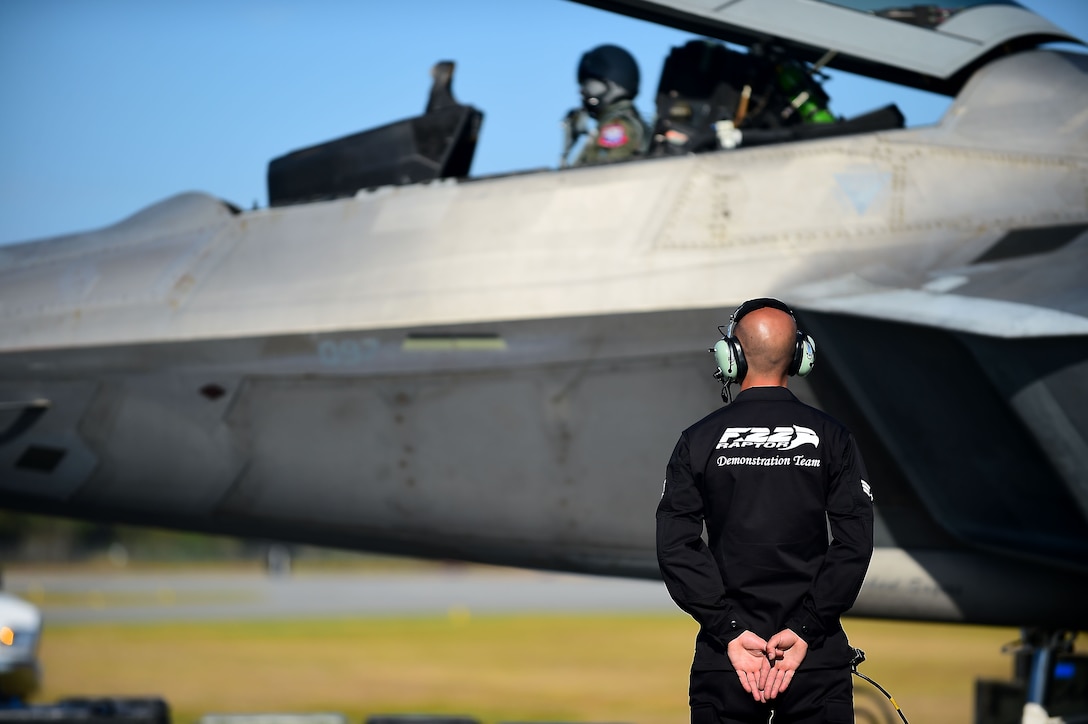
(923, 15)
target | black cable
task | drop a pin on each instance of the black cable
(859, 656)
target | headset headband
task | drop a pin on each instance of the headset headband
(752, 305)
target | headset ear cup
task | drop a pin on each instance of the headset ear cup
(730, 359)
(798, 354)
(806, 355)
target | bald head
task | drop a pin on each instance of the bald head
(769, 338)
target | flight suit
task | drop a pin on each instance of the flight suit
(768, 475)
(620, 135)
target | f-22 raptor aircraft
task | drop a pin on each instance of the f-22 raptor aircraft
(397, 357)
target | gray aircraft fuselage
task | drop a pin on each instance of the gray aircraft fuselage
(497, 369)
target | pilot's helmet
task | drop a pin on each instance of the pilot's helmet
(607, 74)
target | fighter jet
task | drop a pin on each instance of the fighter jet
(398, 357)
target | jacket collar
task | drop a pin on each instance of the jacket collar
(765, 393)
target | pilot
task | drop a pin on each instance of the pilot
(608, 78)
(767, 475)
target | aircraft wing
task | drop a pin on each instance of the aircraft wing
(1025, 286)
(929, 46)
(1002, 340)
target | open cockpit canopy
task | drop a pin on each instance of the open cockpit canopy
(933, 46)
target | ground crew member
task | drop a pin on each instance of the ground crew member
(767, 475)
(608, 78)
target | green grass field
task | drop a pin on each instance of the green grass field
(591, 668)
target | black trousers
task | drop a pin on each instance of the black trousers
(819, 696)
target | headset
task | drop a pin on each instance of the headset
(728, 353)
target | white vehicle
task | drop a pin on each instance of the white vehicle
(20, 631)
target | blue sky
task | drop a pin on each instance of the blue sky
(112, 105)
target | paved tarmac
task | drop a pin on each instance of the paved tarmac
(80, 597)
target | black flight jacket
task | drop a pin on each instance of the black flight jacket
(783, 492)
